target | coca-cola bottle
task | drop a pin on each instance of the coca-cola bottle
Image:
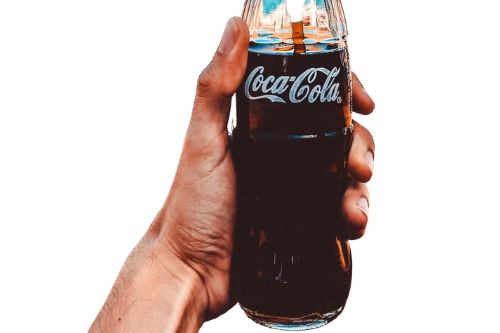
(291, 141)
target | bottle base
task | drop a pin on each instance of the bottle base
(308, 322)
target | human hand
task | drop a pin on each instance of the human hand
(179, 274)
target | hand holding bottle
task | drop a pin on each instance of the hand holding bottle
(178, 275)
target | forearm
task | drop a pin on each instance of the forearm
(154, 292)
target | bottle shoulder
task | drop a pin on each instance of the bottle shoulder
(286, 48)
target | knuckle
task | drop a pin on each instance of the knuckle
(205, 81)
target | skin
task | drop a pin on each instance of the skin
(178, 276)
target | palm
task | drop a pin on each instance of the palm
(203, 231)
(203, 203)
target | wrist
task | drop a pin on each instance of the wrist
(154, 292)
(181, 292)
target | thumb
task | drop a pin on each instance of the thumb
(218, 82)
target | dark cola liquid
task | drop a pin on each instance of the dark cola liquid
(291, 259)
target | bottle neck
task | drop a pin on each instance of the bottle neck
(273, 19)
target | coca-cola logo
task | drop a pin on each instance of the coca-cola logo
(314, 84)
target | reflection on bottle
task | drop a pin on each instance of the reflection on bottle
(298, 37)
(344, 254)
(285, 264)
(279, 277)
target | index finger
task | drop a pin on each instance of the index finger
(362, 102)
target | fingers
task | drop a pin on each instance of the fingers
(355, 203)
(361, 157)
(360, 163)
(218, 82)
(362, 102)
(355, 206)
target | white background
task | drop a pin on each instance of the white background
(95, 97)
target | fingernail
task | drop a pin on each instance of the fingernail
(363, 204)
(228, 39)
(369, 159)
